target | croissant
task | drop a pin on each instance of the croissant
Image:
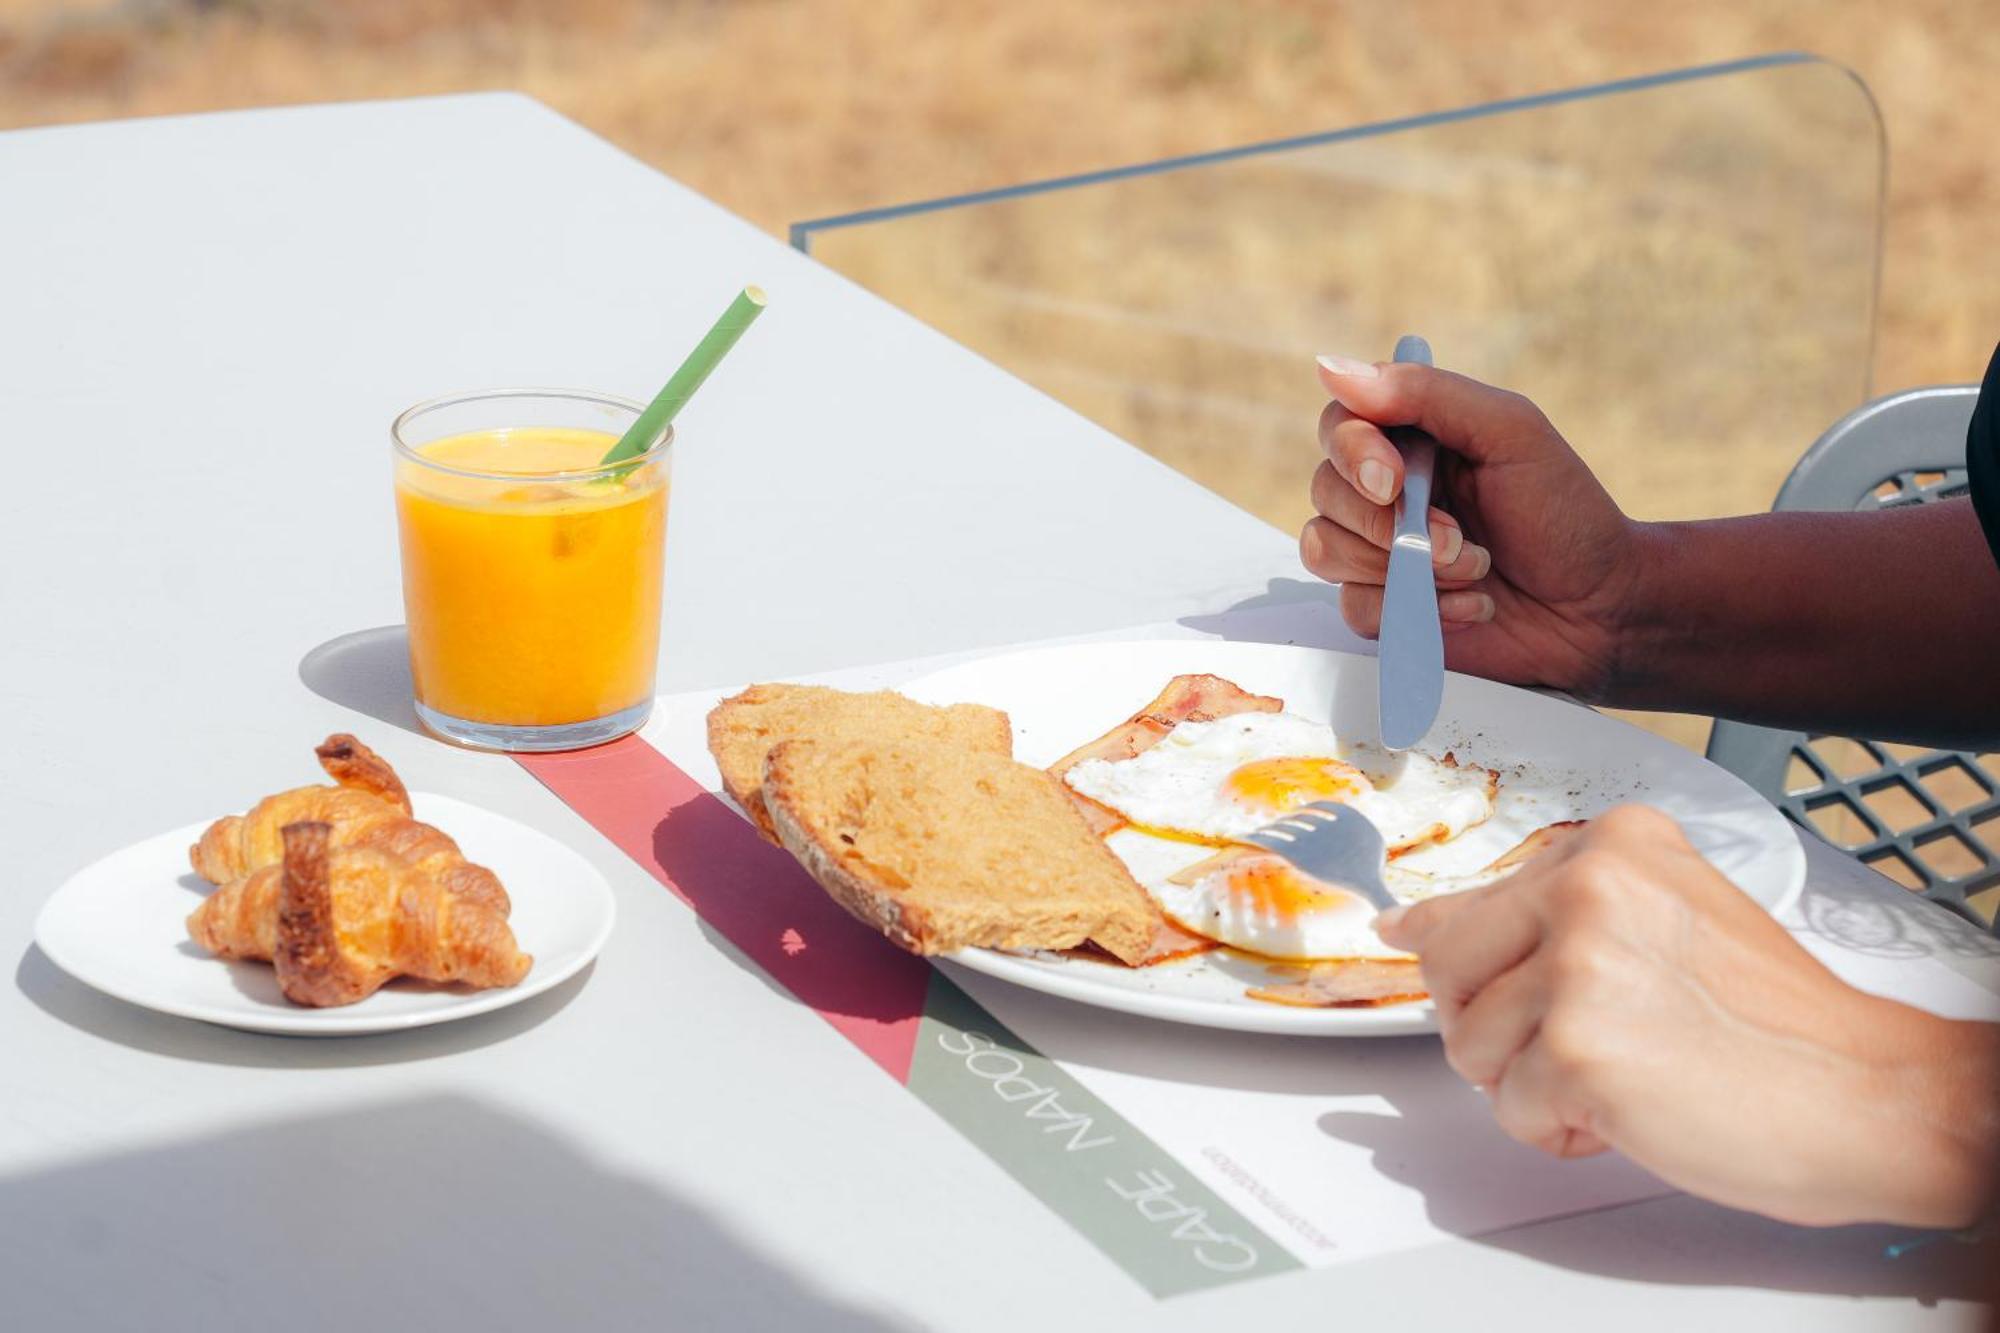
(368, 807)
(340, 922)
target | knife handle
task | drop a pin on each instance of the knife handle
(1419, 451)
(1413, 507)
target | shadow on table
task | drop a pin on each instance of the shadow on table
(1674, 1239)
(1436, 1135)
(437, 1212)
(1293, 611)
(764, 913)
(62, 997)
(1683, 1241)
(367, 671)
(1873, 915)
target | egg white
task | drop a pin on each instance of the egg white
(1219, 780)
(1327, 922)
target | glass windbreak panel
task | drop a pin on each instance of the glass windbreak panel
(1681, 270)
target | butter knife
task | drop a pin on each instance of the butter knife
(1411, 680)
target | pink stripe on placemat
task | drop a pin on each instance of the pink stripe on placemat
(750, 891)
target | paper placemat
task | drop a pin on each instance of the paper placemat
(1191, 1158)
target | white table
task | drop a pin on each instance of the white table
(205, 326)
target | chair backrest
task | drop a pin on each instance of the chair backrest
(1928, 819)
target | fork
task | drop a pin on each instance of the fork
(1333, 843)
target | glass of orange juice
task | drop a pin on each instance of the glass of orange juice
(531, 571)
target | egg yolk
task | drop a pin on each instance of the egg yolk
(1271, 888)
(1280, 786)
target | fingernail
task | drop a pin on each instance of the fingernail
(1446, 541)
(1347, 365)
(1484, 558)
(1467, 607)
(1376, 481)
(1389, 920)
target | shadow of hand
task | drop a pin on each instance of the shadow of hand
(1290, 611)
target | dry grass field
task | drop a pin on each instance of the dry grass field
(789, 109)
(792, 109)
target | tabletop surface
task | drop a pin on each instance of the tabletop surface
(207, 324)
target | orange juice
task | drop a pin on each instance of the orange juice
(531, 578)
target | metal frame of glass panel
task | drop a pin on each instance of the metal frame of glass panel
(802, 233)
(1583, 246)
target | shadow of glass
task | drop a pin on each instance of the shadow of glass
(441, 1211)
(68, 1000)
(367, 671)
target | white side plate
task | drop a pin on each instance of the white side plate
(1557, 761)
(120, 926)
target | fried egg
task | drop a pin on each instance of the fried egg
(1260, 902)
(1213, 782)
(1256, 901)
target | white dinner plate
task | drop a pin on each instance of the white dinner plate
(1556, 760)
(120, 925)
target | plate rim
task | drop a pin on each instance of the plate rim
(340, 1020)
(1357, 1021)
(1389, 1020)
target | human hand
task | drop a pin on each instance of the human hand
(1534, 560)
(1619, 992)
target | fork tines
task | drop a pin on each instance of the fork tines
(1307, 818)
(1292, 827)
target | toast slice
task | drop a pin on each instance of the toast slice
(743, 728)
(941, 847)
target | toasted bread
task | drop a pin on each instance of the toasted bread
(743, 728)
(941, 847)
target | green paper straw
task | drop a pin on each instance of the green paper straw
(707, 353)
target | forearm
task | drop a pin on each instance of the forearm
(1883, 624)
(1923, 1144)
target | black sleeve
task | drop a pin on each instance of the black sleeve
(1982, 454)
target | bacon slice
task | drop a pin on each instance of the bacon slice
(1169, 942)
(1542, 840)
(1347, 983)
(1185, 699)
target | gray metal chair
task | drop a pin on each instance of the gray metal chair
(1929, 819)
